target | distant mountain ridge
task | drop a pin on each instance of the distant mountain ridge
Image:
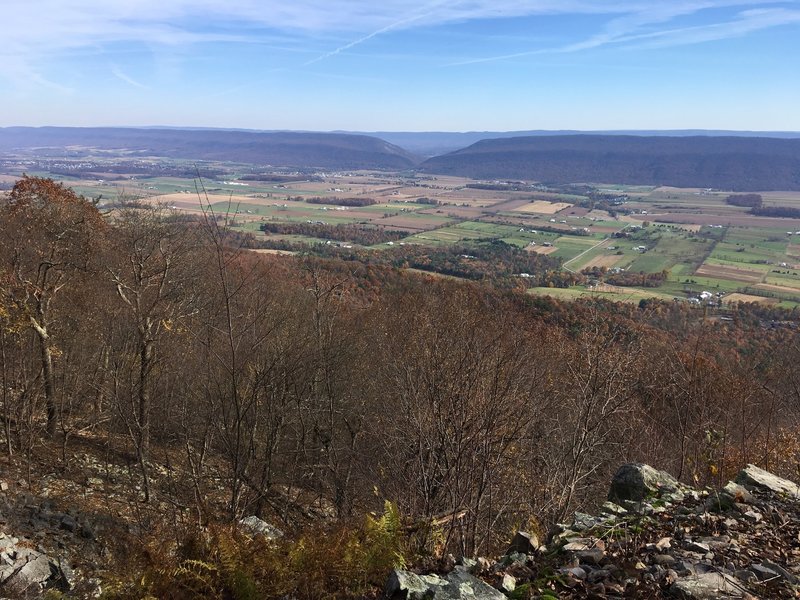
(285, 149)
(741, 162)
(434, 143)
(730, 163)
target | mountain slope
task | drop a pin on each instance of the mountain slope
(731, 163)
(325, 150)
(433, 143)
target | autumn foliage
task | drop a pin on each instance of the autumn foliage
(310, 391)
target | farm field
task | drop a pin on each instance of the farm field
(737, 297)
(543, 207)
(691, 238)
(615, 293)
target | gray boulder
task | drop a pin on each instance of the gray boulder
(729, 496)
(781, 571)
(752, 477)
(405, 585)
(707, 586)
(458, 585)
(636, 481)
(256, 526)
(463, 586)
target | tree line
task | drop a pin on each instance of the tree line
(342, 232)
(353, 202)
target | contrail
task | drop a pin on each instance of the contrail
(118, 73)
(374, 33)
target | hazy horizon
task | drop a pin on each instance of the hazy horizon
(442, 66)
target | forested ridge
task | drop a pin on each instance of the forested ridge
(203, 383)
(728, 163)
(284, 148)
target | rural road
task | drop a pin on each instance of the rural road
(600, 243)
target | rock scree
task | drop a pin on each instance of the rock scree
(654, 538)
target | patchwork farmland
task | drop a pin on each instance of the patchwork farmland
(691, 242)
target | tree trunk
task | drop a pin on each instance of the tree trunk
(145, 360)
(49, 386)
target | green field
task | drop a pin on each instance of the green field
(703, 243)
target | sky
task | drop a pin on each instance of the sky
(402, 65)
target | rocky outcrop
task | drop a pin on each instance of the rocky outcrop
(636, 482)
(26, 573)
(48, 543)
(655, 538)
(456, 585)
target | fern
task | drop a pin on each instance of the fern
(384, 539)
(198, 577)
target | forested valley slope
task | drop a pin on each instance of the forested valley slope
(161, 383)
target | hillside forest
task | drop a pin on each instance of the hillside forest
(315, 392)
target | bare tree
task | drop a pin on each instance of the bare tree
(152, 275)
(52, 236)
(589, 424)
(453, 388)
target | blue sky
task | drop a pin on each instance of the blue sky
(402, 65)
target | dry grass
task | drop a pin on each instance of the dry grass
(613, 289)
(690, 227)
(781, 198)
(606, 260)
(737, 297)
(274, 251)
(543, 207)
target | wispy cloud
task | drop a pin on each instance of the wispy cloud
(46, 24)
(36, 31)
(119, 74)
(639, 26)
(747, 22)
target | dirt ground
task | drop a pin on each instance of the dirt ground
(541, 249)
(731, 273)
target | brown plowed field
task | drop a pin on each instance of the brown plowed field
(579, 211)
(464, 212)
(739, 220)
(513, 205)
(732, 273)
(771, 287)
(541, 249)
